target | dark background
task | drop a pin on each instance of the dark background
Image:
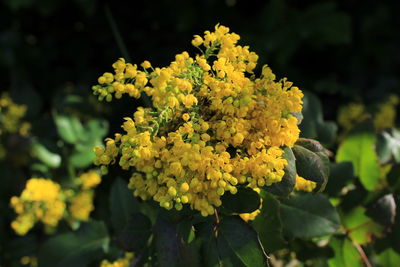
(340, 50)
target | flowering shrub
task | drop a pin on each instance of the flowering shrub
(219, 169)
(213, 126)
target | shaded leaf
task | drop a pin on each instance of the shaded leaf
(75, 248)
(268, 224)
(238, 236)
(383, 210)
(312, 163)
(307, 216)
(122, 204)
(135, 234)
(286, 186)
(339, 175)
(246, 200)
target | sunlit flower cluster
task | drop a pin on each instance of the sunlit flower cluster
(45, 201)
(213, 125)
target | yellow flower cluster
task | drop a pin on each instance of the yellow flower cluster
(213, 126)
(11, 117)
(383, 118)
(45, 201)
(386, 116)
(81, 202)
(304, 185)
(42, 200)
(122, 262)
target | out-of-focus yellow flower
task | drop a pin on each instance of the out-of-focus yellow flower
(122, 262)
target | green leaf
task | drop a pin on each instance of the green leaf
(393, 178)
(286, 186)
(171, 250)
(307, 216)
(135, 234)
(358, 148)
(49, 158)
(75, 248)
(268, 224)
(122, 204)
(242, 240)
(312, 163)
(388, 146)
(339, 176)
(313, 124)
(69, 128)
(388, 257)
(383, 210)
(82, 159)
(346, 255)
(209, 249)
(246, 200)
(360, 228)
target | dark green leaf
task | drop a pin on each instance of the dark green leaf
(242, 240)
(383, 211)
(393, 178)
(312, 164)
(268, 224)
(308, 216)
(286, 186)
(135, 234)
(75, 248)
(122, 204)
(246, 200)
(170, 250)
(313, 124)
(340, 174)
(210, 255)
(358, 148)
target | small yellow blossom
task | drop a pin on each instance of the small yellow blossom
(90, 180)
(146, 64)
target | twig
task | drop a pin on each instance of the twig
(362, 254)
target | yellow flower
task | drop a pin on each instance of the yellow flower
(42, 200)
(90, 179)
(122, 262)
(146, 64)
(304, 185)
(81, 206)
(197, 41)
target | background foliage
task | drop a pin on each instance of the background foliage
(51, 52)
